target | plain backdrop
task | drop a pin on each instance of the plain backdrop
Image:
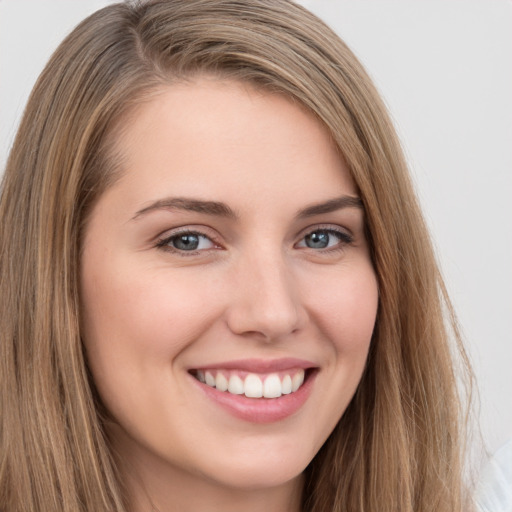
(444, 68)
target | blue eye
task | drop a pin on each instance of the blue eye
(187, 242)
(324, 239)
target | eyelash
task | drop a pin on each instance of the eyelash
(164, 243)
(343, 237)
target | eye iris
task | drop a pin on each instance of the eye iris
(317, 240)
(188, 242)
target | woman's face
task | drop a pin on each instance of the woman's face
(230, 259)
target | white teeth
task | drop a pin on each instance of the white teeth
(221, 383)
(286, 385)
(210, 379)
(236, 386)
(297, 380)
(272, 386)
(253, 386)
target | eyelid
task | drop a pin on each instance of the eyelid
(325, 227)
(164, 238)
(346, 237)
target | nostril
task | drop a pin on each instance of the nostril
(266, 302)
(265, 322)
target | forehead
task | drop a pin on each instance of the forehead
(211, 137)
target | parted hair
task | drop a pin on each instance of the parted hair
(398, 445)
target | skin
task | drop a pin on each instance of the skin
(252, 289)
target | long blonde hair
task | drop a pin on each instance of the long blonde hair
(398, 445)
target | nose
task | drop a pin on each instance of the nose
(266, 301)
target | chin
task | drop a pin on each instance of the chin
(262, 470)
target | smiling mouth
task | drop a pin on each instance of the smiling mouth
(253, 385)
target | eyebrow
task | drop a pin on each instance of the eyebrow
(192, 205)
(219, 209)
(332, 205)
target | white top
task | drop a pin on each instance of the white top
(494, 492)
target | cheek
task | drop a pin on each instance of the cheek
(135, 325)
(150, 311)
(345, 307)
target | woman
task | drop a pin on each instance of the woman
(219, 290)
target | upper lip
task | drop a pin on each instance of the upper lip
(260, 365)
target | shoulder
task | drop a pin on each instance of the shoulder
(494, 492)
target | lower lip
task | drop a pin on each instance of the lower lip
(260, 410)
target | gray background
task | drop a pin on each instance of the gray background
(445, 70)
